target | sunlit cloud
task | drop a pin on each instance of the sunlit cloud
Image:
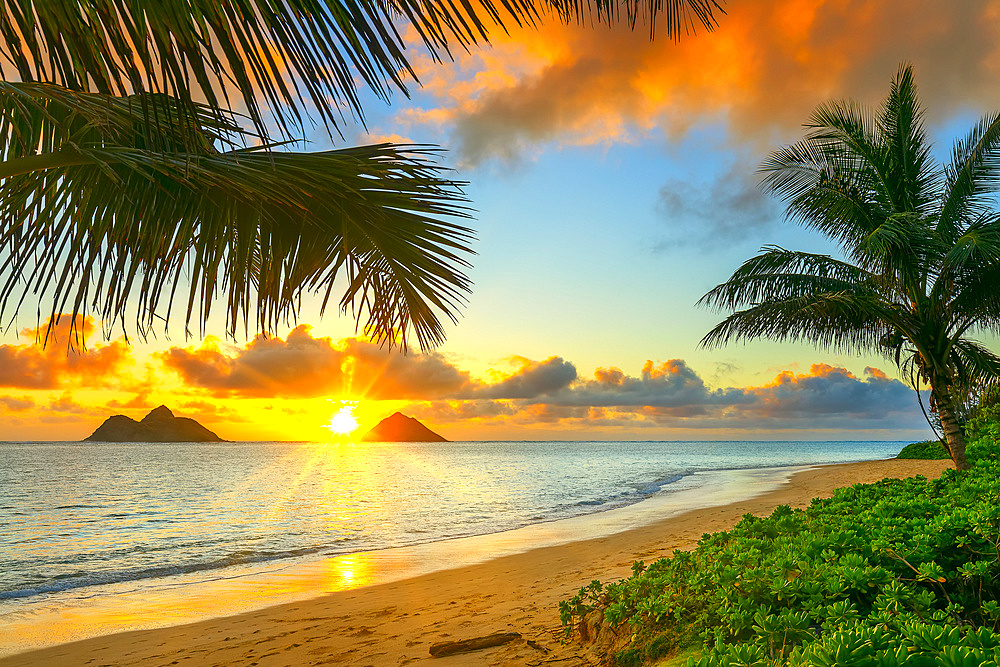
(16, 403)
(523, 391)
(301, 365)
(761, 72)
(49, 364)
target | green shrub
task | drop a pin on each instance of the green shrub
(900, 572)
(929, 449)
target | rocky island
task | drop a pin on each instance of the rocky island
(160, 425)
(399, 428)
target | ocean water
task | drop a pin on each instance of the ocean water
(76, 519)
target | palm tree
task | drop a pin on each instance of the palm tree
(144, 148)
(922, 242)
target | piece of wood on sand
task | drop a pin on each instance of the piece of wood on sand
(441, 649)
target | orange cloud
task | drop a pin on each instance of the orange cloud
(51, 364)
(761, 72)
(301, 365)
(14, 404)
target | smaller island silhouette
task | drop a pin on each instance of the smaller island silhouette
(397, 427)
(160, 425)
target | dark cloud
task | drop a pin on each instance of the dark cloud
(730, 208)
(671, 395)
(533, 379)
(667, 384)
(830, 391)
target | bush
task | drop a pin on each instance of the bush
(929, 449)
(900, 572)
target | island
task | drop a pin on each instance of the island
(160, 425)
(397, 427)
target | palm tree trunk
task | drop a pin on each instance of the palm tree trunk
(954, 438)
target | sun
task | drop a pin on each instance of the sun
(343, 422)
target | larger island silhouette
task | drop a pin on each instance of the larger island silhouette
(160, 425)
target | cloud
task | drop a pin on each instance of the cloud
(301, 366)
(41, 365)
(533, 379)
(761, 72)
(668, 384)
(137, 402)
(662, 395)
(671, 395)
(15, 404)
(832, 391)
(729, 208)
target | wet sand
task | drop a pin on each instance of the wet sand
(396, 623)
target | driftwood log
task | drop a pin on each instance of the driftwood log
(441, 649)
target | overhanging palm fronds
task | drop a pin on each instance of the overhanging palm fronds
(113, 167)
(922, 240)
(284, 56)
(128, 209)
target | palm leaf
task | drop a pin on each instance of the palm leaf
(122, 221)
(972, 175)
(288, 56)
(844, 320)
(975, 364)
(777, 274)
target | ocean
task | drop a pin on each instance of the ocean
(91, 525)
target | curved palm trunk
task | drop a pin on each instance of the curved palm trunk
(954, 438)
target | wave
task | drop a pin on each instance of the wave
(70, 581)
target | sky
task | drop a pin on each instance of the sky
(614, 179)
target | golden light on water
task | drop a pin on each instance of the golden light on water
(343, 422)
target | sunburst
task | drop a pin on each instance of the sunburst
(343, 422)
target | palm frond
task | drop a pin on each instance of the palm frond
(114, 219)
(978, 246)
(826, 187)
(972, 175)
(777, 274)
(288, 56)
(974, 364)
(912, 178)
(842, 320)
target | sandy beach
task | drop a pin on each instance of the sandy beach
(396, 623)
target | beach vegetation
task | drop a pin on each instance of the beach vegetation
(899, 572)
(921, 248)
(146, 153)
(927, 449)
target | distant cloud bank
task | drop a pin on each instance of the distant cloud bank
(664, 394)
(208, 380)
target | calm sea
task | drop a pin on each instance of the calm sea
(78, 517)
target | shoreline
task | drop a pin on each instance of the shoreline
(82, 613)
(394, 622)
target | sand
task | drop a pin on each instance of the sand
(396, 623)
